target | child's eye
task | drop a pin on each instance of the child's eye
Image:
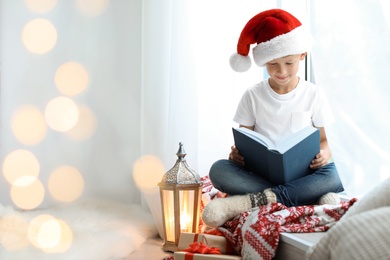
(289, 63)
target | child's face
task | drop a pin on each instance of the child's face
(283, 70)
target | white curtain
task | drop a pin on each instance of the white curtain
(350, 61)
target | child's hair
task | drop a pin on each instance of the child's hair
(277, 34)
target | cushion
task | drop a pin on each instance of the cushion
(362, 233)
(363, 236)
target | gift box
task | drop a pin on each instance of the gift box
(210, 240)
(192, 256)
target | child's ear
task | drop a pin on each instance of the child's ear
(303, 55)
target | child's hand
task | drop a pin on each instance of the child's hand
(322, 158)
(235, 156)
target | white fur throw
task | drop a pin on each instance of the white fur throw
(362, 233)
(100, 230)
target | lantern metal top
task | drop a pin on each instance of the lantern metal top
(180, 173)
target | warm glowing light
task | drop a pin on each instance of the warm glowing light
(39, 36)
(61, 114)
(40, 6)
(86, 125)
(184, 221)
(49, 234)
(21, 164)
(71, 78)
(148, 171)
(66, 184)
(169, 214)
(24, 181)
(64, 240)
(28, 125)
(186, 210)
(35, 226)
(92, 7)
(28, 197)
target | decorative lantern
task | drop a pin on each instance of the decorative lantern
(180, 191)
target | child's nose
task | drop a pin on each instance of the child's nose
(281, 69)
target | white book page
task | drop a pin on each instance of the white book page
(256, 136)
(293, 139)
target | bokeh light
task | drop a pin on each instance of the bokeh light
(86, 125)
(92, 7)
(148, 172)
(40, 6)
(71, 78)
(19, 165)
(24, 181)
(61, 114)
(35, 227)
(49, 234)
(28, 197)
(39, 36)
(28, 125)
(64, 240)
(66, 184)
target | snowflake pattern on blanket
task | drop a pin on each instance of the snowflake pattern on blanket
(255, 233)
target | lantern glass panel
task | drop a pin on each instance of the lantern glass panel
(169, 214)
(187, 198)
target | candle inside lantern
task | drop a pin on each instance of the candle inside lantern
(185, 220)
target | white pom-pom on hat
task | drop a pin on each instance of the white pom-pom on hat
(240, 63)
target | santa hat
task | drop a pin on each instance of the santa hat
(277, 34)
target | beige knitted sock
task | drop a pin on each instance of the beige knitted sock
(329, 198)
(218, 211)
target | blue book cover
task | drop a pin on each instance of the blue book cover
(278, 163)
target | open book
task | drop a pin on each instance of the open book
(278, 163)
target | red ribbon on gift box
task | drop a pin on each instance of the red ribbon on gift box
(189, 256)
(201, 248)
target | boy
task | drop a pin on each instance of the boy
(276, 108)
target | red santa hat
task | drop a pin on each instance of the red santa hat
(277, 34)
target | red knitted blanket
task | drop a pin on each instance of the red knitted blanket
(255, 234)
